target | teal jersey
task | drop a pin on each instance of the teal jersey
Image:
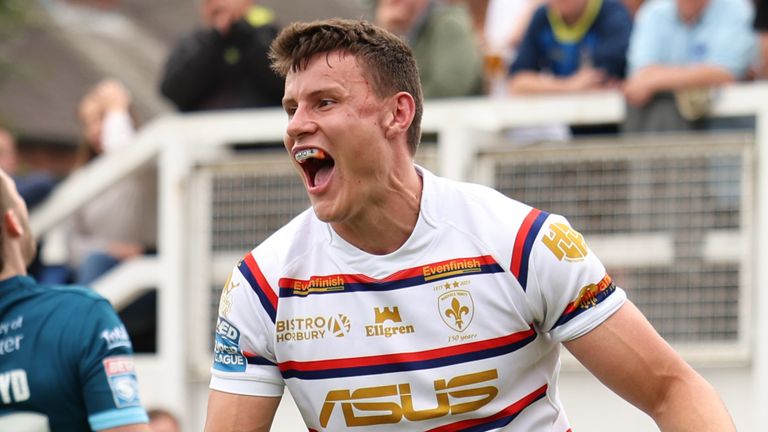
(65, 353)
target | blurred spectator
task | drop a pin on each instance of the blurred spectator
(121, 222)
(679, 49)
(33, 186)
(161, 420)
(443, 42)
(761, 26)
(505, 24)
(572, 45)
(224, 65)
(633, 6)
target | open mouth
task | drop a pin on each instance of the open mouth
(317, 165)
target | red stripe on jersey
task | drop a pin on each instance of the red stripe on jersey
(407, 357)
(262, 281)
(522, 234)
(511, 410)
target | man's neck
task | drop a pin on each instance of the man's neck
(382, 229)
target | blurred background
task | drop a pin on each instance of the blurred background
(150, 191)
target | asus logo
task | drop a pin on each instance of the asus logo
(450, 399)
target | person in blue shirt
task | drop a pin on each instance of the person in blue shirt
(572, 45)
(64, 353)
(678, 50)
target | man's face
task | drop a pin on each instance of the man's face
(690, 10)
(335, 136)
(569, 10)
(398, 16)
(91, 117)
(28, 245)
(213, 11)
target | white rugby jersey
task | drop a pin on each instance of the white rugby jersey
(458, 330)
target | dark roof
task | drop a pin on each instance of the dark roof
(55, 64)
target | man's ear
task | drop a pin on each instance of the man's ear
(403, 109)
(12, 224)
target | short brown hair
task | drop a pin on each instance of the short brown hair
(384, 56)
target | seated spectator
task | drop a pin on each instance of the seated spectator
(33, 186)
(225, 64)
(761, 26)
(572, 45)
(443, 42)
(120, 223)
(679, 49)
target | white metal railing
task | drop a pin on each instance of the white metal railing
(178, 143)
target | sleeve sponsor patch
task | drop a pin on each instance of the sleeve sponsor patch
(116, 337)
(227, 355)
(121, 376)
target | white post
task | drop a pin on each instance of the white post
(172, 304)
(760, 265)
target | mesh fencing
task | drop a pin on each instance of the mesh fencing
(685, 190)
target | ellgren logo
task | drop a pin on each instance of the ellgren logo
(388, 404)
(457, 309)
(565, 242)
(116, 337)
(227, 355)
(381, 316)
(387, 314)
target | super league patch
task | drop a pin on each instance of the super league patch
(227, 356)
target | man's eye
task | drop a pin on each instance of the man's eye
(325, 102)
(290, 111)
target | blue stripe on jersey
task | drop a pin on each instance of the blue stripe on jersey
(257, 360)
(117, 417)
(258, 289)
(528, 245)
(389, 367)
(388, 285)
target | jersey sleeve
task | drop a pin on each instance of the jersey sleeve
(244, 356)
(568, 289)
(110, 388)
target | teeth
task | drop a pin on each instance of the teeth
(303, 155)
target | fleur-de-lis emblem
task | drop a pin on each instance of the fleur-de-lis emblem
(457, 311)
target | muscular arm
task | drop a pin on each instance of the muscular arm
(629, 357)
(231, 412)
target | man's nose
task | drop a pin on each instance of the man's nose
(301, 123)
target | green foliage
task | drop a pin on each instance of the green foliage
(14, 14)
